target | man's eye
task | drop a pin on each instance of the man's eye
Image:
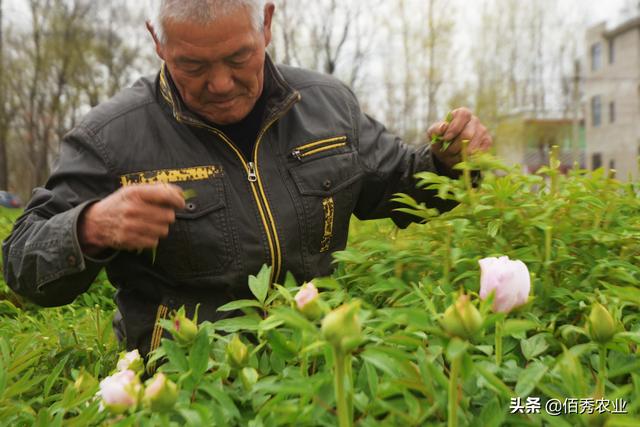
(192, 69)
(237, 61)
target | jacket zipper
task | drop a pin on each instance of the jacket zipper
(253, 176)
(277, 265)
(318, 147)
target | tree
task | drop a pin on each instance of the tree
(72, 57)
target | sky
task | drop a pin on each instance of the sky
(596, 11)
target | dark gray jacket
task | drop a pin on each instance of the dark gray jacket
(317, 161)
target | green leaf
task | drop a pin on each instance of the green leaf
(383, 362)
(239, 304)
(516, 326)
(280, 344)
(529, 378)
(259, 284)
(54, 375)
(230, 409)
(236, 324)
(175, 354)
(492, 414)
(189, 194)
(494, 381)
(199, 355)
(534, 346)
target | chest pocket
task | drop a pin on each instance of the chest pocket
(201, 241)
(324, 176)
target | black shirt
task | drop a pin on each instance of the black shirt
(244, 133)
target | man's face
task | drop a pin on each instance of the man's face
(219, 68)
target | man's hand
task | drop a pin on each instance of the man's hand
(134, 217)
(463, 125)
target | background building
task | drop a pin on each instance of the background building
(524, 140)
(612, 97)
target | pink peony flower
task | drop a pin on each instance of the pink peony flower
(308, 301)
(306, 294)
(161, 393)
(508, 278)
(120, 391)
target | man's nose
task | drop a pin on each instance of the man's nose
(220, 81)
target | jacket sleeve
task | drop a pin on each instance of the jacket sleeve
(390, 166)
(42, 257)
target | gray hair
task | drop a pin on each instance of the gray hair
(203, 12)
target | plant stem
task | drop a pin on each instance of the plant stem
(446, 265)
(548, 239)
(466, 172)
(341, 397)
(602, 371)
(454, 373)
(349, 393)
(554, 164)
(548, 245)
(499, 326)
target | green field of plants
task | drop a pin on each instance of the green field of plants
(399, 335)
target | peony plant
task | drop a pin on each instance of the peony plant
(120, 391)
(308, 301)
(509, 282)
(601, 328)
(509, 279)
(160, 394)
(343, 330)
(131, 361)
(184, 329)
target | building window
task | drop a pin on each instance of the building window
(612, 164)
(596, 56)
(612, 51)
(612, 112)
(596, 160)
(596, 111)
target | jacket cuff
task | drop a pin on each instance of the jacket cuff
(441, 169)
(108, 254)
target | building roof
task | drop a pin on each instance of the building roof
(623, 28)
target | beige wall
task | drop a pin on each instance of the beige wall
(619, 83)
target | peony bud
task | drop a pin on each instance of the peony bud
(462, 319)
(601, 325)
(185, 329)
(509, 279)
(307, 301)
(161, 393)
(341, 327)
(120, 391)
(249, 377)
(131, 361)
(84, 382)
(237, 352)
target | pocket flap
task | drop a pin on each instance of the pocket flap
(208, 196)
(327, 175)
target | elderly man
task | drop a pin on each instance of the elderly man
(275, 160)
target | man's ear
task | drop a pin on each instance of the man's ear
(156, 42)
(269, 9)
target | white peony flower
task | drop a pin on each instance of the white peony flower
(509, 279)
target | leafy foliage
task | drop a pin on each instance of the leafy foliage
(579, 236)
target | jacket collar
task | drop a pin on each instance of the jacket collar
(280, 96)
